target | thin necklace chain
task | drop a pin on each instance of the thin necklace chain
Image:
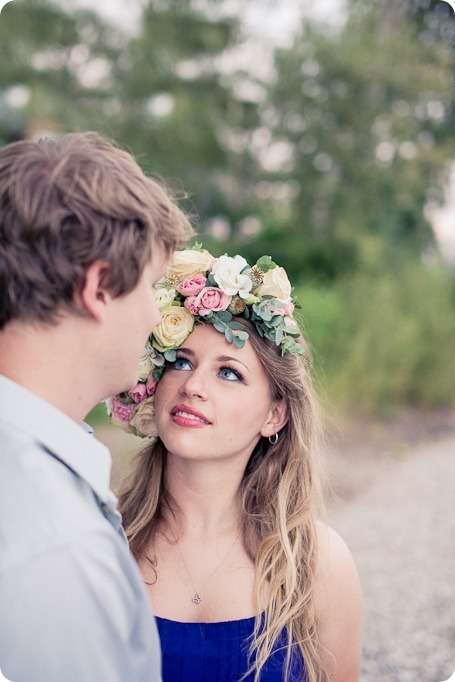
(197, 593)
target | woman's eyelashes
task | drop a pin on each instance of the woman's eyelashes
(230, 374)
(180, 364)
(225, 372)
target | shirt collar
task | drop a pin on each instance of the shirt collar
(58, 433)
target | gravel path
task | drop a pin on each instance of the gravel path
(399, 522)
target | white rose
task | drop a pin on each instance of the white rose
(145, 367)
(143, 421)
(276, 284)
(177, 322)
(227, 274)
(189, 263)
(164, 297)
(146, 363)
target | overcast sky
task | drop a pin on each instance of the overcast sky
(273, 20)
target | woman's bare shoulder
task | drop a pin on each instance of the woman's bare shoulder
(338, 606)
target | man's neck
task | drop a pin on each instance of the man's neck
(46, 361)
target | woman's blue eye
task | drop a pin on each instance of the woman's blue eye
(230, 374)
(180, 364)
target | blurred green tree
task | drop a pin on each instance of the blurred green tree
(55, 67)
(362, 120)
(175, 103)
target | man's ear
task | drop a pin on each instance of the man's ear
(278, 418)
(93, 296)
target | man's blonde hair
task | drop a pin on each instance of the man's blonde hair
(66, 203)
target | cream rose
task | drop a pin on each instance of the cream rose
(143, 421)
(164, 297)
(227, 273)
(150, 359)
(276, 284)
(189, 263)
(177, 322)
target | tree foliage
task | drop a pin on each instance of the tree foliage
(352, 134)
(326, 163)
(55, 67)
(365, 117)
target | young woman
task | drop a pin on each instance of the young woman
(222, 510)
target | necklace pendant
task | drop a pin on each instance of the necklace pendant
(197, 598)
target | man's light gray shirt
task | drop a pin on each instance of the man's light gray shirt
(73, 607)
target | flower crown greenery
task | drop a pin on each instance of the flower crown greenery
(200, 288)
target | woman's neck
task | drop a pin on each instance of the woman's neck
(206, 494)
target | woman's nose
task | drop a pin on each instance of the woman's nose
(194, 385)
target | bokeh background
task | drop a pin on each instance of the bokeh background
(321, 133)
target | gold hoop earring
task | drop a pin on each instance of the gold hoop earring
(273, 440)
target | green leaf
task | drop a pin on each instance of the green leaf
(266, 314)
(238, 342)
(224, 315)
(242, 335)
(219, 326)
(279, 336)
(236, 325)
(229, 335)
(292, 331)
(265, 263)
(276, 320)
(170, 355)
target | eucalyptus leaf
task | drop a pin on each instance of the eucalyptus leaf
(292, 331)
(170, 355)
(229, 335)
(236, 325)
(276, 320)
(279, 336)
(266, 314)
(224, 315)
(238, 342)
(219, 326)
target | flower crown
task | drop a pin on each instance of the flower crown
(200, 288)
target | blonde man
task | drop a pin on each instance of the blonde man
(84, 236)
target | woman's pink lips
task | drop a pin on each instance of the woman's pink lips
(182, 420)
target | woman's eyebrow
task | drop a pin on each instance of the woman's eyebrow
(188, 351)
(228, 358)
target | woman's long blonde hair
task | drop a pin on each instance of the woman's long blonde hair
(281, 498)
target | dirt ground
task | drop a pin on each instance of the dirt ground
(393, 502)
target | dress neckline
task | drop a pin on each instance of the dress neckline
(216, 623)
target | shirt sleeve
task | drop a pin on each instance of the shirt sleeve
(74, 614)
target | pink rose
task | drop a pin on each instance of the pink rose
(120, 411)
(290, 322)
(212, 299)
(190, 303)
(138, 393)
(191, 287)
(150, 385)
(287, 309)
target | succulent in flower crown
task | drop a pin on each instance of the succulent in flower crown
(199, 288)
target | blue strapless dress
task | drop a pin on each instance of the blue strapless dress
(218, 652)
